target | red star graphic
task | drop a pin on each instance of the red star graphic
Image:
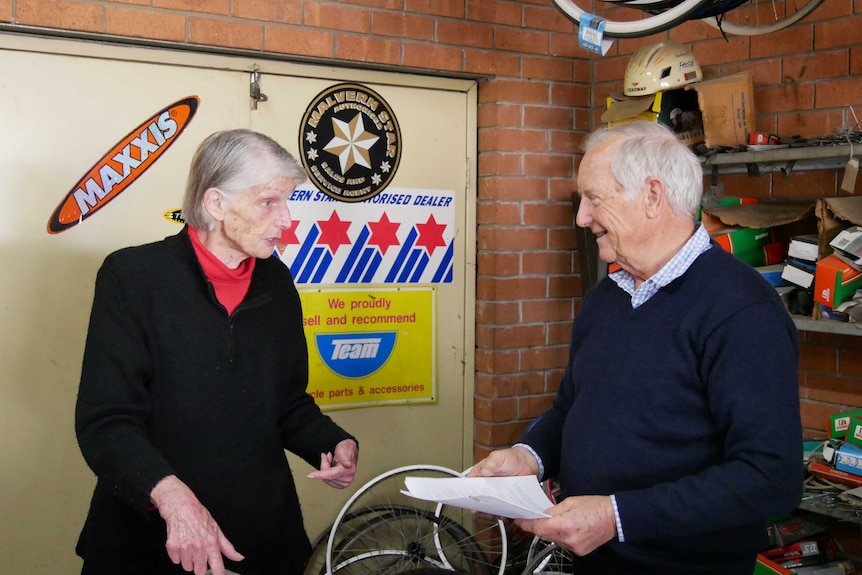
(383, 233)
(288, 236)
(430, 235)
(333, 232)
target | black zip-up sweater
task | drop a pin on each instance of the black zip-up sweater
(171, 384)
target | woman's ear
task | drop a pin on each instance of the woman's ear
(215, 204)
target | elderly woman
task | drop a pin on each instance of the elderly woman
(194, 383)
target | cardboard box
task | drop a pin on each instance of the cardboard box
(676, 109)
(835, 281)
(727, 106)
(838, 423)
(854, 431)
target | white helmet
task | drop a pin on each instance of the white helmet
(663, 65)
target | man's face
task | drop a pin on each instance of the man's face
(254, 221)
(616, 221)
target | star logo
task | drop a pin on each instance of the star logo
(383, 233)
(333, 232)
(430, 235)
(288, 236)
(350, 142)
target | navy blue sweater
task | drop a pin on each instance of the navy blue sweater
(171, 384)
(687, 409)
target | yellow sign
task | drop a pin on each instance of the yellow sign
(370, 347)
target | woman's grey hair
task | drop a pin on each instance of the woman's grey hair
(234, 161)
(647, 149)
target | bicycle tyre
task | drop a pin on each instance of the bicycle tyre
(373, 491)
(639, 28)
(759, 29)
(550, 560)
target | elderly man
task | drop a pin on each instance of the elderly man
(675, 432)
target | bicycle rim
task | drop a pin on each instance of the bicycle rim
(763, 16)
(430, 536)
(646, 26)
(550, 560)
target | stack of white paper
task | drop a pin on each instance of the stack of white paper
(513, 497)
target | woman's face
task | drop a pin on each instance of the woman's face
(254, 221)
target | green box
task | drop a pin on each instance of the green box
(854, 432)
(839, 423)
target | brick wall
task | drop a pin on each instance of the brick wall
(534, 108)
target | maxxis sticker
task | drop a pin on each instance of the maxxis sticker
(350, 142)
(123, 164)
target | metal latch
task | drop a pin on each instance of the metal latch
(254, 89)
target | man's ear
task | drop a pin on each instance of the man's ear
(215, 204)
(655, 198)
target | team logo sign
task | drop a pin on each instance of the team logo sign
(350, 142)
(355, 355)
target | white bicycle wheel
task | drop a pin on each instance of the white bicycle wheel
(763, 16)
(402, 534)
(651, 24)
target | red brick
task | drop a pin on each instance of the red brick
(850, 362)
(564, 286)
(521, 40)
(499, 313)
(207, 6)
(611, 69)
(856, 61)
(509, 238)
(491, 63)
(787, 41)
(303, 41)
(834, 33)
(465, 34)
(839, 93)
(209, 31)
(5, 10)
(818, 358)
(533, 406)
(511, 289)
(497, 212)
(719, 51)
(814, 415)
(840, 390)
(544, 311)
(566, 142)
(81, 16)
(433, 56)
(489, 115)
(549, 165)
(548, 18)
(367, 49)
(510, 385)
(347, 19)
(513, 189)
(145, 24)
(556, 262)
(566, 45)
(804, 184)
(390, 4)
(513, 139)
(504, 90)
(267, 11)
(499, 163)
(561, 333)
(497, 410)
(559, 214)
(548, 117)
(448, 8)
(495, 12)
(816, 65)
(789, 97)
(402, 25)
(563, 238)
(559, 69)
(500, 433)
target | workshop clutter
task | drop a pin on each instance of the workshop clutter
(664, 84)
(810, 251)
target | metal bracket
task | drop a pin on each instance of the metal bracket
(254, 89)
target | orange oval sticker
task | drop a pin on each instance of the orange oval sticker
(123, 164)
